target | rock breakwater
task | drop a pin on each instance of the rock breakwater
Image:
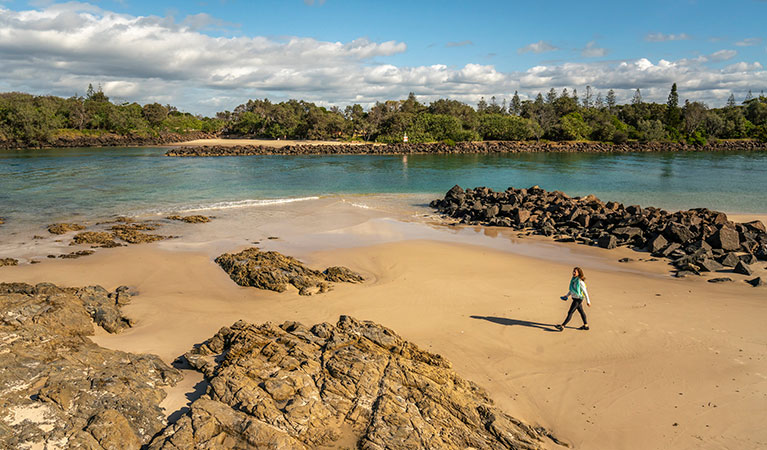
(463, 147)
(696, 240)
(298, 387)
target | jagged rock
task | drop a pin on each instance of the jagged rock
(658, 244)
(76, 254)
(274, 271)
(729, 260)
(339, 274)
(297, 387)
(742, 269)
(757, 282)
(131, 233)
(190, 219)
(725, 238)
(607, 241)
(8, 262)
(709, 265)
(74, 393)
(748, 258)
(96, 239)
(720, 280)
(61, 228)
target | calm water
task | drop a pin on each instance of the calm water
(48, 185)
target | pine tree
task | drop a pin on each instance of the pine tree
(481, 105)
(731, 101)
(588, 97)
(673, 114)
(611, 101)
(516, 104)
(599, 102)
(637, 99)
(551, 96)
(575, 96)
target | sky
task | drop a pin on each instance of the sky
(212, 55)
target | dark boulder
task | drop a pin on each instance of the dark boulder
(757, 282)
(742, 269)
(607, 241)
(725, 238)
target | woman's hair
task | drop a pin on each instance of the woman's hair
(579, 271)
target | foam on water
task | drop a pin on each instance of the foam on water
(245, 204)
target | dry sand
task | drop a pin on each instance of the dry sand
(265, 142)
(667, 363)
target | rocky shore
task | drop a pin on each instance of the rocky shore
(109, 140)
(350, 385)
(354, 384)
(60, 390)
(695, 241)
(463, 147)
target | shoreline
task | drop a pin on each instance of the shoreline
(473, 300)
(219, 147)
(109, 140)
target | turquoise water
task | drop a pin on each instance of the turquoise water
(57, 184)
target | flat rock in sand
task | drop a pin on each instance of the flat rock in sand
(274, 271)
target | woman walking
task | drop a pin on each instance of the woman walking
(578, 293)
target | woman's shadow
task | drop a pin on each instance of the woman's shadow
(511, 322)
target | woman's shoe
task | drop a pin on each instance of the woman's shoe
(559, 327)
(584, 327)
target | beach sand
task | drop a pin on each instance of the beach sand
(265, 142)
(668, 363)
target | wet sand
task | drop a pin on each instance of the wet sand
(667, 363)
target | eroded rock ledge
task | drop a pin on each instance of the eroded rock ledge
(60, 390)
(696, 240)
(461, 147)
(274, 271)
(355, 384)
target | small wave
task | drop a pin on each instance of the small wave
(245, 203)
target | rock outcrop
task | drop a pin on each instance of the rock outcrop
(96, 239)
(61, 228)
(60, 390)
(274, 271)
(462, 147)
(695, 240)
(356, 383)
(190, 219)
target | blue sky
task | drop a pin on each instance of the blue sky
(211, 55)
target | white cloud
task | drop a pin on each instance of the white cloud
(61, 49)
(593, 50)
(722, 55)
(661, 37)
(749, 42)
(537, 47)
(459, 44)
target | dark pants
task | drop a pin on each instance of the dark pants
(577, 304)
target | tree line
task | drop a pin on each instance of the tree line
(31, 120)
(556, 116)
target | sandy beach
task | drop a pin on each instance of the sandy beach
(265, 142)
(668, 363)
